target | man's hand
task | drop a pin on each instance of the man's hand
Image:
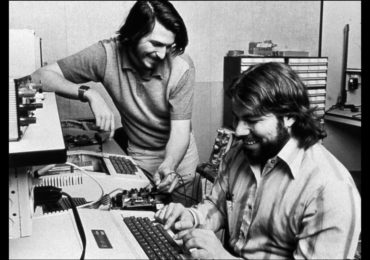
(103, 115)
(175, 150)
(176, 215)
(165, 179)
(203, 244)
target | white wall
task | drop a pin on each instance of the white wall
(336, 15)
(214, 27)
(343, 141)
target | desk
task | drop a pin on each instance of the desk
(344, 140)
(344, 116)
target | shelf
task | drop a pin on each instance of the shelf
(344, 116)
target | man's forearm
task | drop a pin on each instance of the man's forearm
(53, 80)
(176, 149)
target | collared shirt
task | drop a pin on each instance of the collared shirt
(146, 105)
(304, 204)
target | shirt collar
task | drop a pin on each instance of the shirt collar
(292, 155)
(126, 64)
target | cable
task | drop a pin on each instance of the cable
(78, 223)
(101, 188)
(183, 185)
(118, 189)
(52, 194)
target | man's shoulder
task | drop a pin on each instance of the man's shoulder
(183, 60)
(113, 42)
(325, 164)
(186, 58)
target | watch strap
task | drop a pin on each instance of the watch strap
(81, 92)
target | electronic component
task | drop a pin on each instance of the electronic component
(353, 83)
(79, 140)
(81, 124)
(262, 48)
(139, 199)
(103, 229)
(22, 104)
(82, 132)
(222, 144)
(93, 175)
(42, 144)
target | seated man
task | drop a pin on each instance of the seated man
(279, 193)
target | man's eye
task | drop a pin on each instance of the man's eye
(252, 121)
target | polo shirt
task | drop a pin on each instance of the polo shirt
(303, 205)
(147, 105)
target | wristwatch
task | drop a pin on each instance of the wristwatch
(81, 93)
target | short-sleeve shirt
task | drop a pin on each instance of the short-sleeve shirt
(146, 105)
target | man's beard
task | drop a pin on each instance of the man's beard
(269, 149)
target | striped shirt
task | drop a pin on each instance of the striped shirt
(304, 205)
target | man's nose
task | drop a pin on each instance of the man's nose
(161, 52)
(242, 129)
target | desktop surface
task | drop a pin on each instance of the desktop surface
(344, 116)
(107, 237)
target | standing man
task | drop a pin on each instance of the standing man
(279, 193)
(151, 82)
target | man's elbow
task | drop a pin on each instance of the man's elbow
(37, 75)
(42, 73)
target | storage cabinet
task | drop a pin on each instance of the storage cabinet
(312, 71)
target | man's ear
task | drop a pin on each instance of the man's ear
(289, 121)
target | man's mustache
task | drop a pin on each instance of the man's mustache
(247, 138)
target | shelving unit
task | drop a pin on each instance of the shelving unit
(312, 71)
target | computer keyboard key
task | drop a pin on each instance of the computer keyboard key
(154, 240)
(123, 165)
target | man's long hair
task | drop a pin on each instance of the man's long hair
(141, 19)
(275, 88)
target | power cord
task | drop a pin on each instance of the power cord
(45, 171)
(51, 194)
(102, 196)
(78, 223)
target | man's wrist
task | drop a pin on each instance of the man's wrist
(82, 93)
(195, 218)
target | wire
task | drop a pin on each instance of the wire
(78, 223)
(86, 173)
(118, 189)
(183, 185)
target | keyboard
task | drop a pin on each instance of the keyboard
(122, 165)
(154, 240)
